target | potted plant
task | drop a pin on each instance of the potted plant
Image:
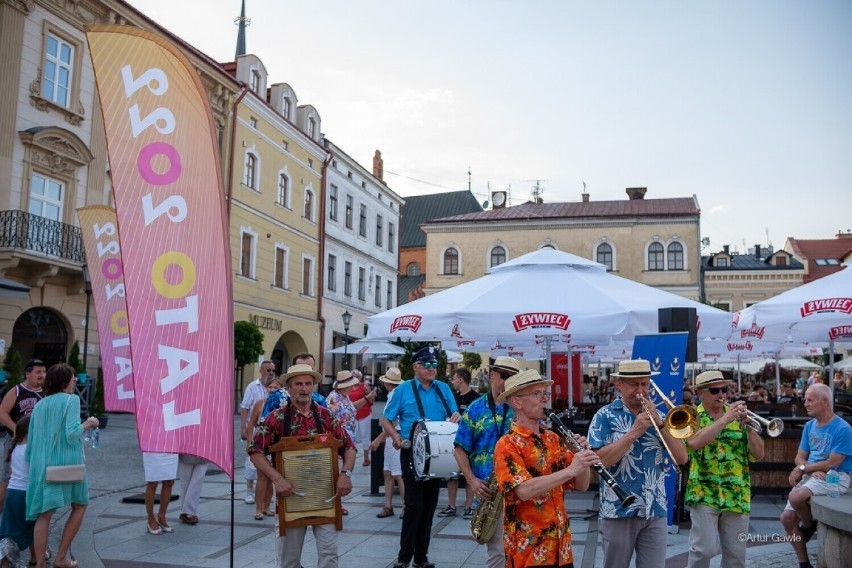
(98, 409)
(77, 364)
(13, 366)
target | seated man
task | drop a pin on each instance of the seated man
(826, 444)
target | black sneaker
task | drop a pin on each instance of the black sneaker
(468, 513)
(426, 564)
(447, 512)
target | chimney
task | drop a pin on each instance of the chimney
(727, 249)
(585, 197)
(841, 235)
(378, 166)
(757, 252)
(636, 192)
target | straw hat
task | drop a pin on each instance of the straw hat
(392, 376)
(345, 379)
(521, 381)
(508, 365)
(634, 368)
(706, 378)
(297, 370)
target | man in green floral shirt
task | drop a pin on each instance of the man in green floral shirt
(719, 488)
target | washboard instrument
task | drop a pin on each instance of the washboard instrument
(309, 463)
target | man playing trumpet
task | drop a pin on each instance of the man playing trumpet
(718, 492)
(623, 436)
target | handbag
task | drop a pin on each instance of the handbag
(64, 473)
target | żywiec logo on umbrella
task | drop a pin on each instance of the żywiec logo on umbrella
(754, 331)
(840, 305)
(840, 331)
(411, 323)
(734, 346)
(541, 319)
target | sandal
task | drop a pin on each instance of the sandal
(258, 516)
(188, 519)
(344, 511)
(385, 512)
(164, 526)
(67, 564)
(156, 532)
(269, 513)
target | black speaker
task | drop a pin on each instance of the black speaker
(680, 319)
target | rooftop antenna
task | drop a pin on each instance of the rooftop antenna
(243, 23)
(468, 178)
(537, 190)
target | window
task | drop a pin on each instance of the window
(253, 122)
(451, 261)
(722, 305)
(675, 256)
(254, 81)
(286, 105)
(380, 230)
(391, 237)
(307, 276)
(348, 211)
(780, 260)
(362, 284)
(498, 256)
(312, 126)
(280, 280)
(309, 205)
(378, 292)
(46, 197)
(332, 273)
(389, 301)
(413, 269)
(283, 197)
(58, 66)
(347, 278)
(251, 171)
(362, 221)
(655, 257)
(332, 203)
(604, 255)
(722, 262)
(247, 255)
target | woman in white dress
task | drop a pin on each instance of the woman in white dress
(159, 468)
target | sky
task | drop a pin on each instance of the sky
(745, 104)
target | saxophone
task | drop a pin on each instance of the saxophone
(487, 515)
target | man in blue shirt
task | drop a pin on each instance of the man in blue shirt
(479, 429)
(420, 398)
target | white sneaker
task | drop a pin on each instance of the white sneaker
(250, 498)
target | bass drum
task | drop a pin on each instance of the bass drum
(432, 454)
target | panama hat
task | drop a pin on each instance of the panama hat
(634, 368)
(505, 364)
(301, 369)
(345, 379)
(521, 381)
(707, 377)
(392, 376)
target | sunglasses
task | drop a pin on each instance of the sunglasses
(717, 390)
(430, 365)
(541, 395)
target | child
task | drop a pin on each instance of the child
(392, 469)
(14, 524)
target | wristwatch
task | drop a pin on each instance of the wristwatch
(802, 468)
(346, 472)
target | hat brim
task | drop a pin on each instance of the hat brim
(634, 375)
(350, 382)
(504, 396)
(706, 384)
(502, 369)
(389, 380)
(313, 374)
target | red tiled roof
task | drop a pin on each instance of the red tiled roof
(669, 207)
(809, 250)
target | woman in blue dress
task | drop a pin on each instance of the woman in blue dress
(56, 438)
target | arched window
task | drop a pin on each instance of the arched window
(604, 255)
(655, 257)
(413, 269)
(283, 190)
(498, 256)
(675, 256)
(285, 107)
(251, 171)
(255, 81)
(309, 205)
(551, 247)
(451, 261)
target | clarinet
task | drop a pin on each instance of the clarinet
(625, 498)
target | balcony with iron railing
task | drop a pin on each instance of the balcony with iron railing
(40, 236)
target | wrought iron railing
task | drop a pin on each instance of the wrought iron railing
(22, 230)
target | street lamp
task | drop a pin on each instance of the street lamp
(347, 319)
(87, 281)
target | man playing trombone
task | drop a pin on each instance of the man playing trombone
(718, 492)
(628, 436)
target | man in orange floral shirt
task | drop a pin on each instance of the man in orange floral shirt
(534, 469)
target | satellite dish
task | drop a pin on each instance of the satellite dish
(485, 204)
(498, 198)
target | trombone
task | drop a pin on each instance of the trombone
(649, 411)
(757, 423)
(681, 421)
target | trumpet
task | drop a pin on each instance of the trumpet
(681, 421)
(757, 423)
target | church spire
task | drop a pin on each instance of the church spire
(243, 23)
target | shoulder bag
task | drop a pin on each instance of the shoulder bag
(64, 473)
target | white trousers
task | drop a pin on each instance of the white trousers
(713, 530)
(191, 471)
(288, 549)
(364, 432)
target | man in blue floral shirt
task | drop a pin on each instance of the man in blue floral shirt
(628, 445)
(479, 429)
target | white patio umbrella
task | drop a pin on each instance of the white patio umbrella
(368, 347)
(819, 311)
(844, 365)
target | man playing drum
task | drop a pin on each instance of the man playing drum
(423, 398)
